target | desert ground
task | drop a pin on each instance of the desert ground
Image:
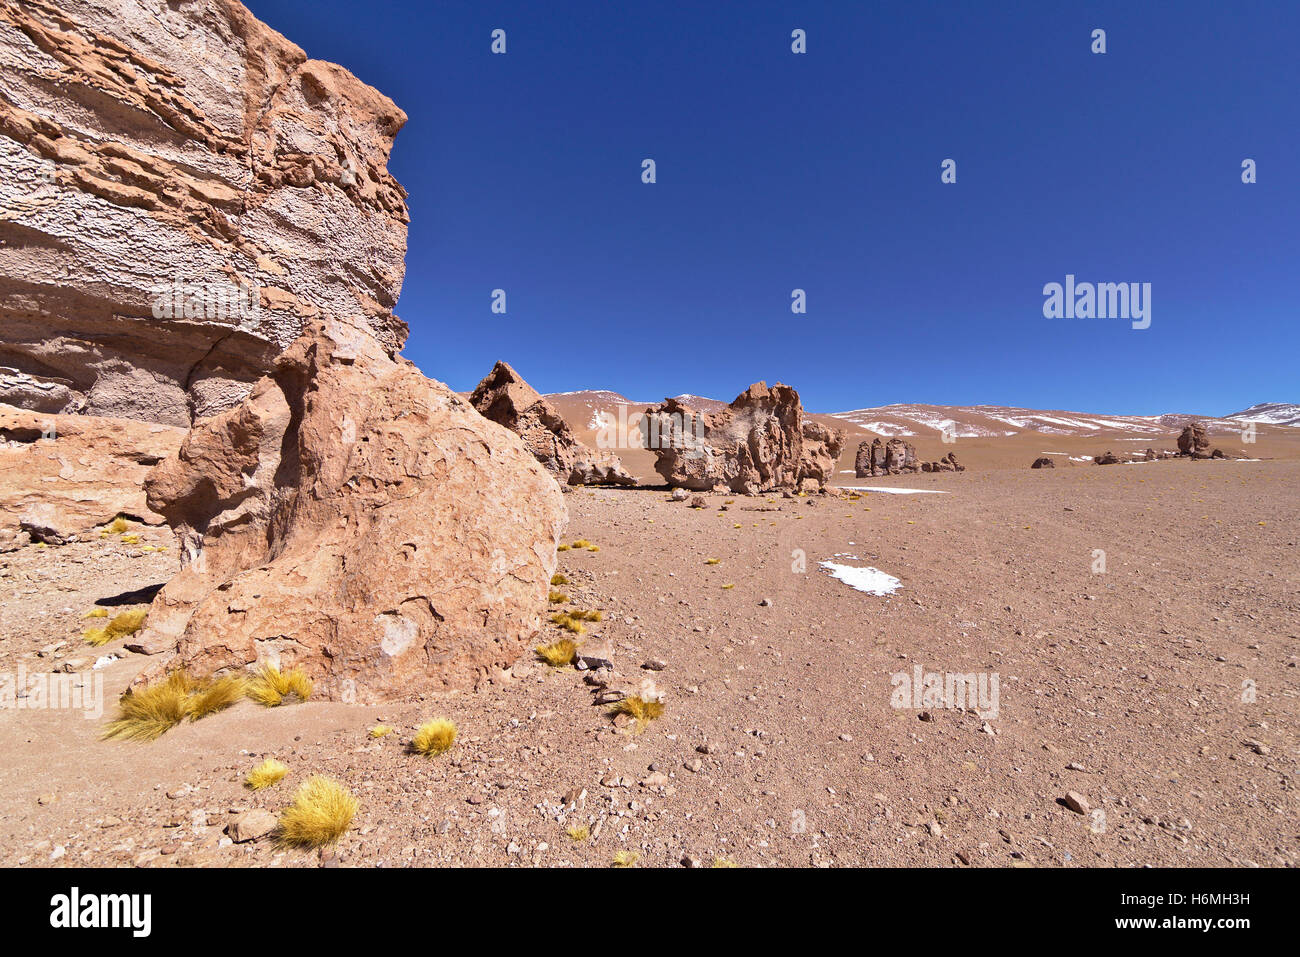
(1161, 691)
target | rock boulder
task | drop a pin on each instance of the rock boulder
(762, 441)
(360, 521)
(62, 475)
(505, 398)
(1194, 438)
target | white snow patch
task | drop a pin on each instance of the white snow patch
(872, 581)
(895, 491)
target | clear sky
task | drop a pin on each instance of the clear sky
(821, 171)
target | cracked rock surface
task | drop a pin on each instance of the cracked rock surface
(181, 190)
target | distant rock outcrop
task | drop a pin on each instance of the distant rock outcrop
(1109, 458)
(1194, 438)
(1043, 462)
(62, 475)
(181, 190)
(505, 398)
(886, 458)
(762, 441)
(358, 520)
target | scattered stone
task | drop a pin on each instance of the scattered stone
(251, 825)
(1077, 803)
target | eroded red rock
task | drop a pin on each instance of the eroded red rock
(504, 397)
(358, 520)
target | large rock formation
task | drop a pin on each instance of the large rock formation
(505, 398)
(181, 189)
(762, 441)
(821, 453)
(885, 458)
(358, 520)
(1194, 438)
(1043, 462)
(62, 475)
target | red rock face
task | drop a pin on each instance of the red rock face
(1194, 438)
(62, 475)
(505, 398)
(358, 520)
(181, 190)
(760, 442)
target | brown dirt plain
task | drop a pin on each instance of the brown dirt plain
(779, 744)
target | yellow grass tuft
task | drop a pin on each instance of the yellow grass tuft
(558, 579)
(271, 688)
(581, 543)
(568, 623)
(713, 561)
(724, 862)
(269, 772)
(640, 709)
(130, 539)
(577, 832)
(380, 731)
(117, 526)
(148, 713)
(434, 737)
(126, 623)
(561, 548)
(587, 615)
(216, 696)
(321, 813)
(557, 598)
(626, 858)
(728, 586)
(96, 613)
(596, 548)
(558, 653)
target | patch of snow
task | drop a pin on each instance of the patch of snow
(895, 491)
(871, 581)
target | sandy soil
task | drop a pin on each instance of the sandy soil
(779, 744)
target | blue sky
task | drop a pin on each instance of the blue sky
(821, 171)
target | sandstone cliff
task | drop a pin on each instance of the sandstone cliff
(181, 190)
